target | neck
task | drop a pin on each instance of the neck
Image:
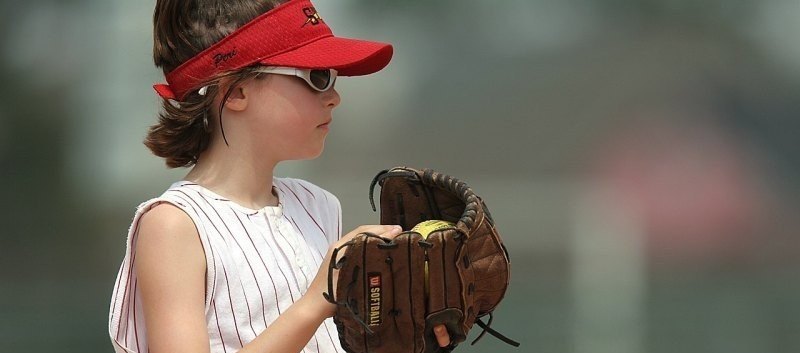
(237, 174)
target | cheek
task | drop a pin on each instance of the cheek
(293, 106)
(295, 120)
(288, 124)
(291, 130)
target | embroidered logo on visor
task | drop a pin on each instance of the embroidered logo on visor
(312, 16)
(220, 58)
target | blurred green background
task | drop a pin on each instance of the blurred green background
(641, 159)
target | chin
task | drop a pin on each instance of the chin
(312, 154)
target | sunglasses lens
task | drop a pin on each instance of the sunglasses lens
(321, 79)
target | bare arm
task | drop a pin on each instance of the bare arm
(170, 267)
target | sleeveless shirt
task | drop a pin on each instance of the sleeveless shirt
(258, 262)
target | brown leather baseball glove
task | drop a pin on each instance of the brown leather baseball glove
(381, 283)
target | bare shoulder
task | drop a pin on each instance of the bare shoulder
(166, 217)
(167, 233)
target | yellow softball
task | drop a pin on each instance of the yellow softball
(425, 228)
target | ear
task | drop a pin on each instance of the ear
(237, 101)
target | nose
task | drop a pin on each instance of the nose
(331, 98)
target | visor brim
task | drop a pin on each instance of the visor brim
(350, 57)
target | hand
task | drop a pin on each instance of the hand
(320, 283)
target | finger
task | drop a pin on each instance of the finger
(382, 230)
(392, 231)
(441, 335)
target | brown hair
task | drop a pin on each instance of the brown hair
(181, 30)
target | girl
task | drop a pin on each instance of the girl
(228, 259)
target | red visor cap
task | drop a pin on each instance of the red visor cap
(292, 34)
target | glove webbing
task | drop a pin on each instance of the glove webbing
(430, 178)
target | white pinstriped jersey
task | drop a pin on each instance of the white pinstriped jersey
(258, 262)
